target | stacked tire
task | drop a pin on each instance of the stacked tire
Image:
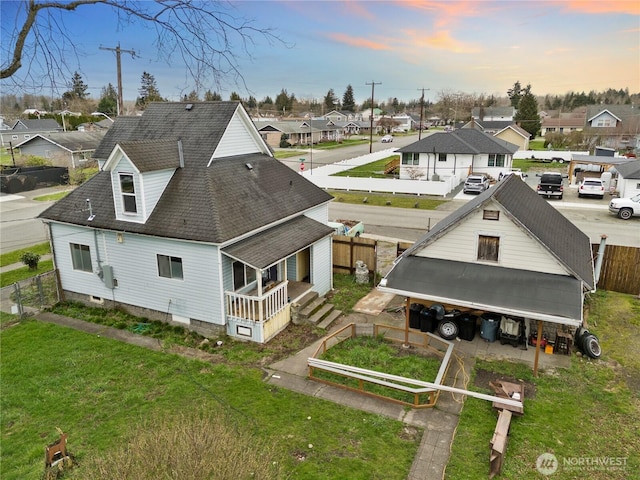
(588, 343)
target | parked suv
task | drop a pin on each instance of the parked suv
(475, 184)
(625, 208)
(591, 187)
(551, 185)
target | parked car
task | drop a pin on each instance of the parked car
(591, 187)
(625, 208)
(387, 139)
(513, 171)
(551, 185)
(348, 228)
(476, 184)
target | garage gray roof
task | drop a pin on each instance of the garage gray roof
(263, 250)
(555, 298)
(629, 170)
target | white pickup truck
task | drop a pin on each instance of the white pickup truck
(625, 208)
(348, 228)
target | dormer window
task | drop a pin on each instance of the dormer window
(127, 187)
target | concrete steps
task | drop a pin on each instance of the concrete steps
(312, 309)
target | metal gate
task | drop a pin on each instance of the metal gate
(30, 295)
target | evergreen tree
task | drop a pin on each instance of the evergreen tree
(330, 100)
(515, 94)
(78, 89)
(284, 102)
(235, 97)
(527, 114)
(210, 96)
(148, 91)
(252, 102)
(348, 102)
(108, 100)
(192, 97)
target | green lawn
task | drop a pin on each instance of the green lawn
(388, 199)
(370, 170)
(23, 273)
(14, 256)
(99, 391)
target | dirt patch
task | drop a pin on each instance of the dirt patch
(483, 377)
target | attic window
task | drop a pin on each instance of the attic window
(491, 215)
(128, 189)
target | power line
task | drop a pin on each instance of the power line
(421, 112)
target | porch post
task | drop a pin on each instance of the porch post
(535, 362)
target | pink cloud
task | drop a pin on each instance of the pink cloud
(441, 40)
(611, 6)
(359, 42)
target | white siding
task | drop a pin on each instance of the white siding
(319, 214)
(517, 249)
(124, 165)
(134, 263)
(237, 139)
(321, 266)
(153, 185)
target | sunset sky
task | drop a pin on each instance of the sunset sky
(454, 46)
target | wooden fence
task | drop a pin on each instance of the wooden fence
(620, 271)
(348, 250)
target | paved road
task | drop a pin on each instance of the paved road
(19, 225)
(409, 224)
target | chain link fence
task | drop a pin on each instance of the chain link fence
(30, 295)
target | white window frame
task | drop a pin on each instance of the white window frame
(168, 267)
(128, 195)
(81, 257)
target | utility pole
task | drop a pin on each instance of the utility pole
(421, 112)
(373, 84)
(118, 51)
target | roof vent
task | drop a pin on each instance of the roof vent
(189, 106)
(249, 166)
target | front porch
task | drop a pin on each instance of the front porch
(260, 317)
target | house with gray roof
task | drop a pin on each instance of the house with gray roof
(62, 149)
(508, 252)
(299, 132)
(628, 181)
(192, 220)
(493, 114)
(22, 130)
(456, 154)
(613, 126)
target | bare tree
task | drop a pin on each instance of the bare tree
(206, 35)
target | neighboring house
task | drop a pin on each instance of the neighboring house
(563, 123)
(62, 149)
(24, 129)
(456, 154)
(514, 134)
(193, 221)
(493, 114)
(336, 116)
(613, 126)
(506, 251)
(487, 126)
(299, 132)
(628, 182)
(404, 123)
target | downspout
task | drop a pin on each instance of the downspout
(598, 266)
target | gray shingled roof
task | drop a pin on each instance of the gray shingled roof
(462, 141)
(268, 247)
(150, 155)
(209, 204)
(72, 141)
(120, 131)
(629, 170)
(568, 244)
(41, 124)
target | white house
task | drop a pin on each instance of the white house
(192, 221)
(456, 154)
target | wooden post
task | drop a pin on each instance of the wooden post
(535, 362)
(407, 311)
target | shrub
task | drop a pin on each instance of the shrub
(30, 259)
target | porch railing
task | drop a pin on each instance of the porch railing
(256, 308)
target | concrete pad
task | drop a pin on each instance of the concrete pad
(373, 303)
